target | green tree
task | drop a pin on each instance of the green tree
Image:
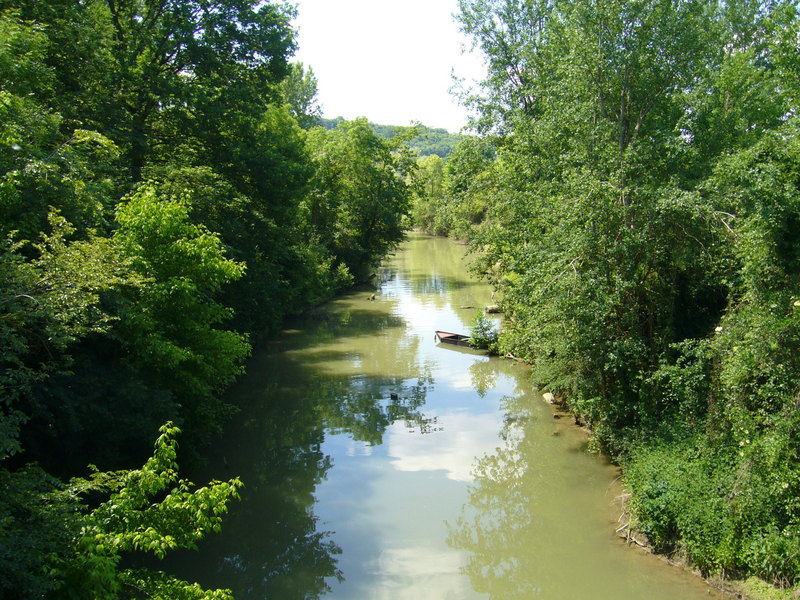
(48, 305)
(468, 184)
(359, 197)
(22, 58)
(147, 62)
(299, 91)
(67, 541)
(428, 193)
(641, 235)
(44, 164)
(251, 198)
(599, 98)
(170, 328)
(483, 335)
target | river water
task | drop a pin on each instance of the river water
(380, 465)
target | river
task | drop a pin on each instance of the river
(380, 465)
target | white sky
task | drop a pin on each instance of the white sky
(387, 60)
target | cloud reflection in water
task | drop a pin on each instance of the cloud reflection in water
(463, 438)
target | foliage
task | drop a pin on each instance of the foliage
(483, 335)
(427, 142)
(169, 327)
(359, 194)
(428, 195)
(140, 53)
(251, 198)
(73, 542)
(38, 526)
(155, 179)
(299, 91)
(724, 509)
(636, 205)
(48, 304)
(459, 202)
(70, 175)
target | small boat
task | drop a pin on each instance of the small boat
(452, 338)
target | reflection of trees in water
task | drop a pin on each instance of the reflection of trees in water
(497, 523)
(424, 283)
(354, 339)
(348, 368)
(339, 323)
(483, 374)
(364, 407)
(433, 268)
(342, 378)
(286, 558)
(425, 254)
(269, 546)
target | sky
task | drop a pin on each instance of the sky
(388, 60)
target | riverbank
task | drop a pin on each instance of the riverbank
(751, 588)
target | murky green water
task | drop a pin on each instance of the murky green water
(380, 465)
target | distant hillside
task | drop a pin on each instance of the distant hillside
(431, 141)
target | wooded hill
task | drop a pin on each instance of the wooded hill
(428, 141)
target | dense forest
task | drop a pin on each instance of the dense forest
(635, 198)
(165, 201)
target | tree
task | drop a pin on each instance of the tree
(467, 184)
(359, 195)
(44, 164)
(251, 198)
(48, 305)
(166, 59)
(428, 194)
(594, 95)
(640, 234)
(170, 327)
(299, 91)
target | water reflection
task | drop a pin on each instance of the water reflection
(497, 522)
(483, 376)
(360, 439)
(364, 407)
(432, 268)
(271, 545)
(347, 372)
(334, 324)
(536, 524)
(453, 454)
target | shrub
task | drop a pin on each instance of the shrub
(483, 334)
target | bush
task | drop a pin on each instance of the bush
(483, 335)
(680, 499)
(726, 510)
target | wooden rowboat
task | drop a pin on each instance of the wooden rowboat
(456, 339)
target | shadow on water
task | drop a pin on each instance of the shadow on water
(337, 323)
(271, 545)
